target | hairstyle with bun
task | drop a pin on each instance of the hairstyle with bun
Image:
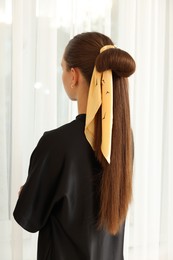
(115, 180)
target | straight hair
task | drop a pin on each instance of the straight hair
(115, 185)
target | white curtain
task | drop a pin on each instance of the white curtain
(145, 28)
(33, 35)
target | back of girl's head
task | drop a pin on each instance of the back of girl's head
(83, 51)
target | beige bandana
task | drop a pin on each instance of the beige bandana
(100, 94)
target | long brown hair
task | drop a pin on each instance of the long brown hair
(115, 188)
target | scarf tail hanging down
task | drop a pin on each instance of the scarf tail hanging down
(100, 95)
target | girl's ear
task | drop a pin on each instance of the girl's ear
(75, 76)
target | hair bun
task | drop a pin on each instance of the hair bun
(119, 61)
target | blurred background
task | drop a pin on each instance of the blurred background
(33, 35)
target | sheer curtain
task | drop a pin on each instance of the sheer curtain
(5, 125)
(33, 35)
(147, 32)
